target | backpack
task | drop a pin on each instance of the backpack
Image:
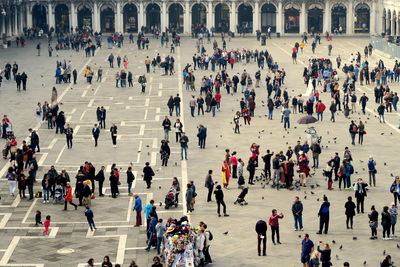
(351, 169)
(210, 237)
(354, 129)
(371, 165)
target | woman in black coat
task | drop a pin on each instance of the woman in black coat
(350, 212)
(165, 152)
(373, 222)
(219, 197)
(386, 221)
(114, 185)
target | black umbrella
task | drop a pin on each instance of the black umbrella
(307, 119)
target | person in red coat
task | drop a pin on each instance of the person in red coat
(320, 108)
(68, 197)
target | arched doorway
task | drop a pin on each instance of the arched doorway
(39, 17)
(245, 18)
(338, 18)
(153, 17)
(175, 16)
(61, 13)
(361, 23)
(84, 17)
(292, 20)
(268, 17)
(130, 18)
(394, 18)
(315, 20)
(384, 22)
(222, 17)
(199, 16)
(388, 23)
(107, 19)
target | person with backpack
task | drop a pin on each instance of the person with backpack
(323, 215)
(372, 170)
(349, 171)
(353, 130)
(261, 230)
(206, 249)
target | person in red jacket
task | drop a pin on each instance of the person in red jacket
(320, 108)
(68, 197)
(218, 97)
(274, 223)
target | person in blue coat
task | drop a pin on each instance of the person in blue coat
(324, 216)
(138, 208)
(152, 237)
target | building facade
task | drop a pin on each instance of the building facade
(283, 16)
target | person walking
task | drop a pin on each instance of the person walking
(100, 178)
(184, 140)
(89, 216)
(393, 216)
(178, 129)
(353, 130)
(360, 189)
(138, 208)
(114, 132)
(297, 210)
(361, 132)
(386, 223)
(148, 174)
(373, 222)
(316, 149)
(219, 197)
(395, 189)
(130, 177)
(261, 230)
(69, 135)
(165, 152)
(350, 208)
(96, 134)
(167, 127)
(68, 197)
(307, 246)
(324, 216)
(189, 197)
(372, 171)
(202, 135)
(273, 222)
(209, 184)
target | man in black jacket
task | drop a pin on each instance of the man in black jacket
(100, 178)
(360, 189)
(209, 184)
(261, 230)
(177, 104)
(96, 134)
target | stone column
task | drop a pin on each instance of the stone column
(21, 19)
(51, 16)
(372, 23)
(210, 16)
(140, 16)
(327, 18)
(74, 17)
(279, 19)
(303, 18)
(28, 17)
(96, 18)
(164, 16)
(15, 30)
(256, 17)
(118, 18)
(9, 24)
(186, 19)
(232, 17)
(350, 19)
(3, 25)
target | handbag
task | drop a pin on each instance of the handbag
(373, 224)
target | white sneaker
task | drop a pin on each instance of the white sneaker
(44, 201)
(47, 201)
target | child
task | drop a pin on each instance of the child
(38, 218)
(46, 225)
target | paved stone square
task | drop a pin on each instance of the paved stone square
(139, 117)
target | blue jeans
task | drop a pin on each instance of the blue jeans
(184, 152)
(286, 121)
(46, 193)
(159, 242)
(178, 110)
(270, 111)
(298, 222)
(347, 182)
(213, 108)
(129, 187)
(319, 114)
(91, 223)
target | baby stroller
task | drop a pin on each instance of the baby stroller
(240, 200)
(58, 195)
(171, 199)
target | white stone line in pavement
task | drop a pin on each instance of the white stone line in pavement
(160, 86)
(42, 158)
(29, 210)
(142, 127)
(91, 103)
(153, 160)
(84, 93)
(52, 143)
(14, 204)
(147, 102)
(83, 114)
(184, 171)
(155, 143)
(60, 153)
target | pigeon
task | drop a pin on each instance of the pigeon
(216, 145)
(341, 246)
(363, 169)
(262, 198)
(398, 246)
(333, 241)
(354, 238)
(226, 233)
(148, 153)
(305, 197)
(317, 185)
(299, 236)
(337, 257)
(160, 204)
(312, 187)
(361, 161)
(312, 193)
(384, 163)
(147, 146)
(382, 133)
(365, 262)
(391, 174)
(159, 187)
(384, 252)
(318, 199)
(356, 172)
(130, 163)
(220, 135)
(176, 164)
